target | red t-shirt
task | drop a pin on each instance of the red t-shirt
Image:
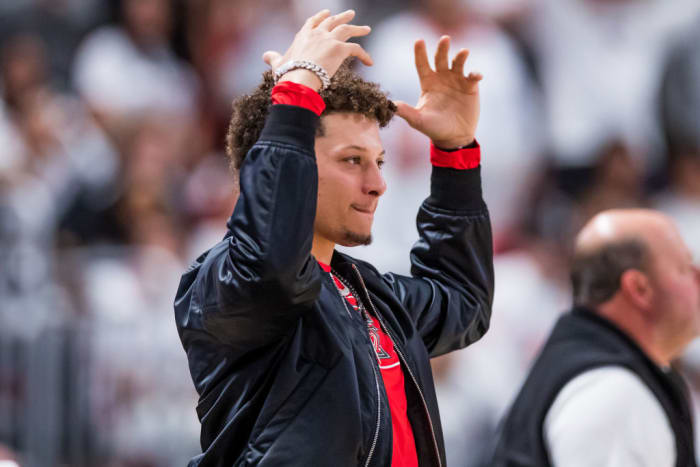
(403, 451)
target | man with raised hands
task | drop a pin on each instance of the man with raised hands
(305, 356)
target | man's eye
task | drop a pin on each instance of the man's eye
(354, 160)
(380, 164)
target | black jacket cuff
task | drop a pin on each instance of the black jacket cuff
(456, 190)
(291, 124)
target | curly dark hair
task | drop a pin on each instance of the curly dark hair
(348, 92)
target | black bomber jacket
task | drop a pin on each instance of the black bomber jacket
(286, 376)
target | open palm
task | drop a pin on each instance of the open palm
(448, 108)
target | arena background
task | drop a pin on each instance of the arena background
(113, 178)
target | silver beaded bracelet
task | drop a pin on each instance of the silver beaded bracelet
(307, 65)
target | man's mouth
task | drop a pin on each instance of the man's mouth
(364, 209)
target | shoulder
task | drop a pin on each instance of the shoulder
(613, 388)
(101, 55)
(612, 409)
(109, 37)
(199, 269)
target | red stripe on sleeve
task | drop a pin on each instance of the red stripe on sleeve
(464, 158)
(291, 93)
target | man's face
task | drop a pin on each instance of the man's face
(148, 20)
(676, 282)
(349, 157)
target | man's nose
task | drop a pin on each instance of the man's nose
(374, 183)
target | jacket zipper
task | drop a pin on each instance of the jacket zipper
(373, 363)
(379, 415)
(405, 364)
(342, 299)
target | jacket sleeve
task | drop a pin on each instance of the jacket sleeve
(450, 294)
(254, 286)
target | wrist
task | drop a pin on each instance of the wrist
(291, 93)
(453, 144)
(461, 158)
(301, 76)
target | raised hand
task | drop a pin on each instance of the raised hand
(322, 40)
(448, 108)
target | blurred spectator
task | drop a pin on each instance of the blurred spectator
(127, 69)
(142, 396)
(680, 105)
(600, 63)
(53, 155)
(617, 182)
(680, 97)
(682, 199)
(54, 152)
(680, 93)
(58, 23)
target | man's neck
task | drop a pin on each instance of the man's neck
(642, 332)
(322, 249)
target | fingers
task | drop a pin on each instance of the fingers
(346, 31)
(443, 48)
(272, 58)
(356, 50)
(408, 113)
(473, 79)
(459, 60)
(316, 19)
(332, 22)
(421, 54)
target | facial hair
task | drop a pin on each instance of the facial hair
(355, 239)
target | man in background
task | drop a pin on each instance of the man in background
(602, 392)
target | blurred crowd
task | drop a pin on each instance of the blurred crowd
(113, 178)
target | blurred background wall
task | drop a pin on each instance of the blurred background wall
(113, 178)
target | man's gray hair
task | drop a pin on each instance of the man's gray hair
(595, 274)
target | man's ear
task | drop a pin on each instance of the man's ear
(637, 289)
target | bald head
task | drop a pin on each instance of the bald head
(617, 225)
(633, 268)
(611, 243)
